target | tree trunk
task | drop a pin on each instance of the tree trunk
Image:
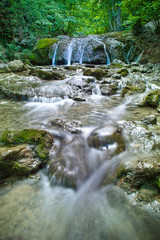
(118, 18)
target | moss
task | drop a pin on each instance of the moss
(152, 99)
(97, 73)
(116, 65)
(40, 54)
(129, 90)
(124, 72)
(41, 138)
(157, 182)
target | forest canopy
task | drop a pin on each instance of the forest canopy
(25, 21)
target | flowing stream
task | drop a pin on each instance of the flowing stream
(35, 209)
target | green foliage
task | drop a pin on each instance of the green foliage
(23, 22)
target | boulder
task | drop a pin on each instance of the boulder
(23, 151)
(4, 68)
(17, 87)
(72, 126)
(108, 89)
(40, 54)
(132, 89)
(107, 137)
(141, 176)
(123, 72)
(152, 119)
(48, 74)
(152, 99)
(16, 66)
(97, 73)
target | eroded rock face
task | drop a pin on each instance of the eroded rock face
(23, 152)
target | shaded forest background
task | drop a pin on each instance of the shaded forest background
(23, 22)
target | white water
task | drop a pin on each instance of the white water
(54, 56)
(69, 52)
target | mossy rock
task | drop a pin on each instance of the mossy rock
(123, 72)
(132, 89)
(23, 152)
(40, 54)
(152, 99)
(48, 74)
(97, 73)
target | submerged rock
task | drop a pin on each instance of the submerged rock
(72, 126)
(70, 165)
(23, 152)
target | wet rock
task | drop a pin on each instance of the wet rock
(135, 64)
(40, 54)
(132, 89)
(72, 126)
(141, 176)
(79, 99)
(23, 152)
(116, 63)
(69, 167)
(115, 48)
(152, 119)
(17, 87)
(79, 81)
(117, 76)
(108, 89)
(152, 99)
(16, 66)
(106, 137)
(97, 73)
(123, 72)
(48, 74)
(4, 68)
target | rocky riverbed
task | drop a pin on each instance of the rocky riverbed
(75, 118)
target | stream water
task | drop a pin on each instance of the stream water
(33, 209)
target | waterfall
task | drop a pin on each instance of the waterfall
(105, 50)
(108, 59)
(54, 56)
(139, 57)
(69, 53)
(80, 50)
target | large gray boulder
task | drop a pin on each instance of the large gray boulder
(16, 66)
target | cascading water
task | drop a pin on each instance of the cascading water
(79, 50)
(54, 56)
(33, 209)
